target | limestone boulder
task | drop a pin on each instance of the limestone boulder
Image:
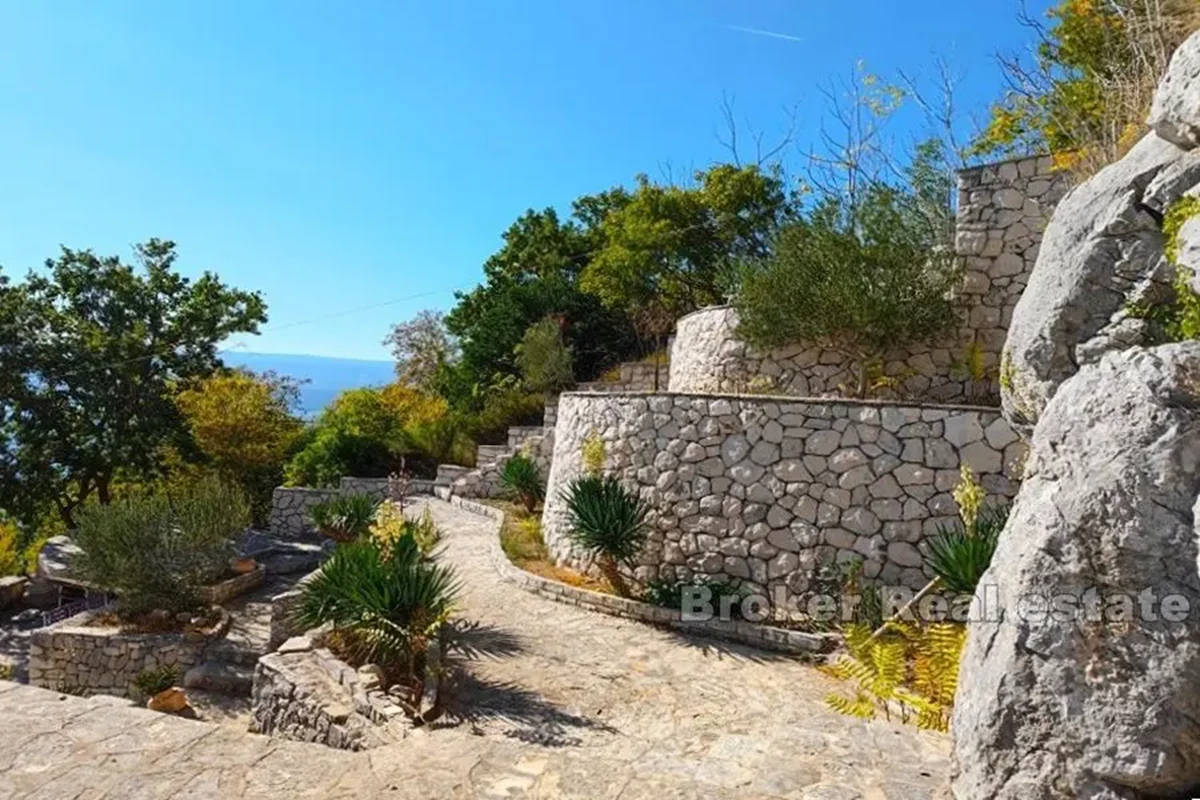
(1175, 112)
(1102, 250)
(1094, 701)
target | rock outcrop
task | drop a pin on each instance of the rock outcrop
(1080, 677)
(1103, 254)
(1100, 700)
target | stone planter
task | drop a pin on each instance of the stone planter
(226, 590)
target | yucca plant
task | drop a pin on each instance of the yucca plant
(609, 521)
(910, 672)
(344, 518)
(521, 477)
(959, 555)
(385, 608)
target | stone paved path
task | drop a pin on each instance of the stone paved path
(560, 703)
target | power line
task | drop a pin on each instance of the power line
(356, 310)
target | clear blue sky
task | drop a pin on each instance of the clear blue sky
(337, 155)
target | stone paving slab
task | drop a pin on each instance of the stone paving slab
(556, 703)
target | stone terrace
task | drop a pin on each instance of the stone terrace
(559, 702)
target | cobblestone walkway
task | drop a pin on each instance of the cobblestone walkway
(560, 703)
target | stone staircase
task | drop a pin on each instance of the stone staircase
(483, 480)
(229, 662)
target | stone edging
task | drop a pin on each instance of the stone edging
(765, 637)
(796, 400)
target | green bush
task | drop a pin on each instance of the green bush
(670, 594)
(607, 520)
(521, 477)
(543, 357)
(959, 557)
(863, 277)
(156, 550)
(443, 441)
(344, 518)
(503, 409)
(150, 682)
(385, 608)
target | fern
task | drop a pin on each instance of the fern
(909, 671)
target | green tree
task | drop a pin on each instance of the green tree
(1086, 89)
(92, 349)
(862, 278)
(359, 434)
(243, 425)
(421, 346)
(672, 249)
(543, 357)
(534, 275)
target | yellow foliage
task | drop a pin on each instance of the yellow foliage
(909, 671)
(970, 496)
(390, 524)
(241, 421)
(413, 406)
(593, 454)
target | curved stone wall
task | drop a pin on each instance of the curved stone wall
(1002, 211)
(766, 490)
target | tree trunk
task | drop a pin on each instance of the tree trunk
(612, 574)
(861, 391)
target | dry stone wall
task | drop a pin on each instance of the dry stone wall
(75, 656)
(1002, 211)
(766, 490)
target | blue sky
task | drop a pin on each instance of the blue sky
(342, 155)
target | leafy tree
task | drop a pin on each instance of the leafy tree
(862, 278)
(1087, 87)
(534, 275)
(92, 349)
(358, 434)
(242, 424)
(672, 249)
(543, 357)
(421, 346)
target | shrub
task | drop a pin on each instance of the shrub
(521, 539)
(390, 524)
(150, 682)
(521, 477)
(543, 357)
(670, 594)
(156, 550)
(609, 521)
(911, 672)
(593, 454)
(862, 276)
(959, 555)
(385, 607)
(345, 517)
(504, 408)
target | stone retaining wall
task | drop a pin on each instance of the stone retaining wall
(290, 504)
(1002, 211)
(75, 657)
(766, 490)
(304, 693)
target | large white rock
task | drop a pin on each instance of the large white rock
(1102, 251)
(1175, 112)
(1075, 708)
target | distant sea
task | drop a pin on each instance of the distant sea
(326, 377)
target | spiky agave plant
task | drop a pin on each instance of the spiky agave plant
(386, 608)
(959, 555)
(344, 518)
(520, 476)
(609, 521)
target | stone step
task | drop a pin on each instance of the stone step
(488, 453)
(447, 473)
(518, 435)
(213, 676)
